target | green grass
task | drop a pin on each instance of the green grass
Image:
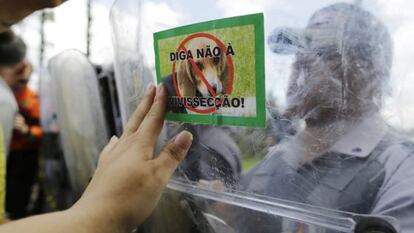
(243, 43)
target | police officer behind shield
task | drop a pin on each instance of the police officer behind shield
(346, 157)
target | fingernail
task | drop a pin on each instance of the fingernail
(184, 140)
(160, 88)
(149, 88)
(113, 139)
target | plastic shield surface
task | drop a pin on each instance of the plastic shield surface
(48, 105)
(55, 171)
(79, 115)
(336, 152)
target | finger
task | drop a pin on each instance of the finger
(19, 120)
(140, 112)
(18, 125)
(111, 144)
(20, 117)
(172, 154)
(212, 184)
(203, 183)
(22, 121)
(152, 124)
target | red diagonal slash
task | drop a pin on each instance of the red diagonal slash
(200, 74)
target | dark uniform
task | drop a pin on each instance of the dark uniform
(365, 172)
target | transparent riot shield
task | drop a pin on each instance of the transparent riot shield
(335, 154)
(132, 75)
(80, 116)
(55, 179)
(48, 105)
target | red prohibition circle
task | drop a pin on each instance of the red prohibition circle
(229, 62)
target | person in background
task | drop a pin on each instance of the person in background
(346, 157)
(22, 162)
(11, 12)
(10, 54)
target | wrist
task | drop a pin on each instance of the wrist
(100, 217)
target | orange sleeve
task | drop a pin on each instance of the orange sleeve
(34, 106)
(36, 131)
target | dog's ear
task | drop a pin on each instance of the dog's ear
(185, 79)
(224, 75)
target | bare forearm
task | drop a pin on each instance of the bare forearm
(67, 221)
(63, 221)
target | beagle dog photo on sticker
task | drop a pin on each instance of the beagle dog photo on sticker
(214, 71)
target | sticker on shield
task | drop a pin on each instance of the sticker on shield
(214, 71)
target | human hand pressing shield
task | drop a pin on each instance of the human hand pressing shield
(128, 180)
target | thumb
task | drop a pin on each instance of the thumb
(173, 153)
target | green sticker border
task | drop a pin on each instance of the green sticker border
(257, 20)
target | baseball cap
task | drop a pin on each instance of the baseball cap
(339, 26)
